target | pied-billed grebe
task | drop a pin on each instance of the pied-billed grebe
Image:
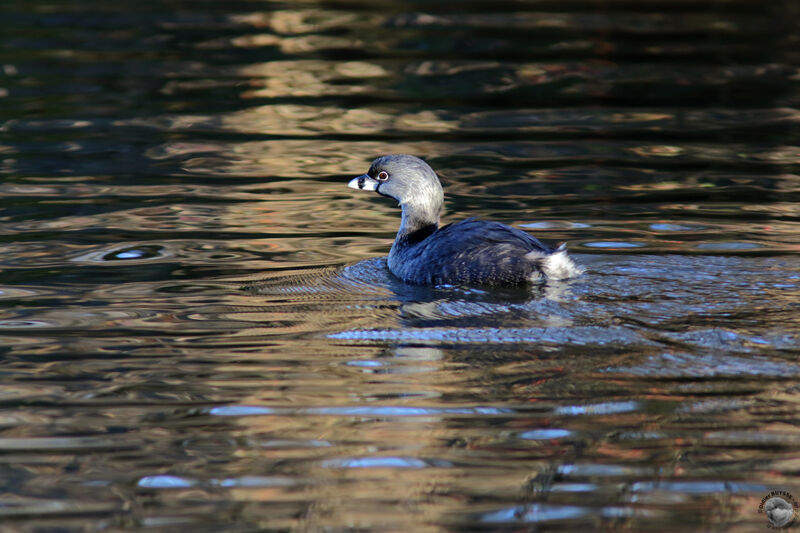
(470, 252)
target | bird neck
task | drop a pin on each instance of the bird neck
(416, 225)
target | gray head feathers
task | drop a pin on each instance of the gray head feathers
(410, 181)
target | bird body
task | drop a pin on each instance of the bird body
(470, 252)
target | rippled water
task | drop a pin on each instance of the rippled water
(199, 333)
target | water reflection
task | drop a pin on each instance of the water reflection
(198, 329)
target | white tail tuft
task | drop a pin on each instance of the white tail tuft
(556, 265)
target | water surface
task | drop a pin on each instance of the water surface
(199, 333)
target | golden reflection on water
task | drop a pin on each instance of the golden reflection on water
(308, 78)
(373, 473)
(199, 330)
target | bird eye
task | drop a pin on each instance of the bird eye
(383, 175)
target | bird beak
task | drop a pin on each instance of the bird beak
(363, 182)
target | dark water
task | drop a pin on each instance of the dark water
(198, 331)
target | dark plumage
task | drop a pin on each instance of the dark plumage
(470, 252)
